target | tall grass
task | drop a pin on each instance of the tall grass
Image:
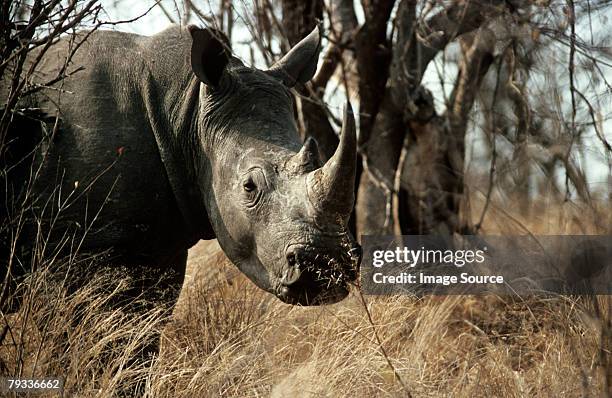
(453, 346)
(77, 335)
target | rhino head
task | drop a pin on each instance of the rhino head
(278, 213)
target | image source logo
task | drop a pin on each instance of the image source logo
(573, 264)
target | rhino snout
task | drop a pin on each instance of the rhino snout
(314, 275)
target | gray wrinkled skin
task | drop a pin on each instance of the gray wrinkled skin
(195, 145)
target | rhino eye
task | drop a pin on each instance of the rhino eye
(253, 187)
(249, 185)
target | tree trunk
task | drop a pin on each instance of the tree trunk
(414, 158)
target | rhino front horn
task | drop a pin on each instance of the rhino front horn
(331, 187)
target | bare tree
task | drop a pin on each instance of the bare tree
(412, 140)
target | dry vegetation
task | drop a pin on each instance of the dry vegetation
(227, 338)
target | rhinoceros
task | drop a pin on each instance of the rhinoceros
(166, 140)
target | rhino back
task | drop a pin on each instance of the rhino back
(105, 155)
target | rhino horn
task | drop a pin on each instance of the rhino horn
(331, 187)
(307, 159)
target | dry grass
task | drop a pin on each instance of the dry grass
(227, 338)
(77, 335)
(453, 346)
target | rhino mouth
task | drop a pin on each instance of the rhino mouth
(312, 295)
(315, 277)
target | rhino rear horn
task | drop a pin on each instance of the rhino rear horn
(307, 159)
(210, 54)
(331, 188)
(300, 63)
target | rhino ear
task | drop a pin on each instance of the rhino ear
(209, 54)
(300, 63)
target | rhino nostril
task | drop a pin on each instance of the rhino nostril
(292, 273)
(291, 276)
